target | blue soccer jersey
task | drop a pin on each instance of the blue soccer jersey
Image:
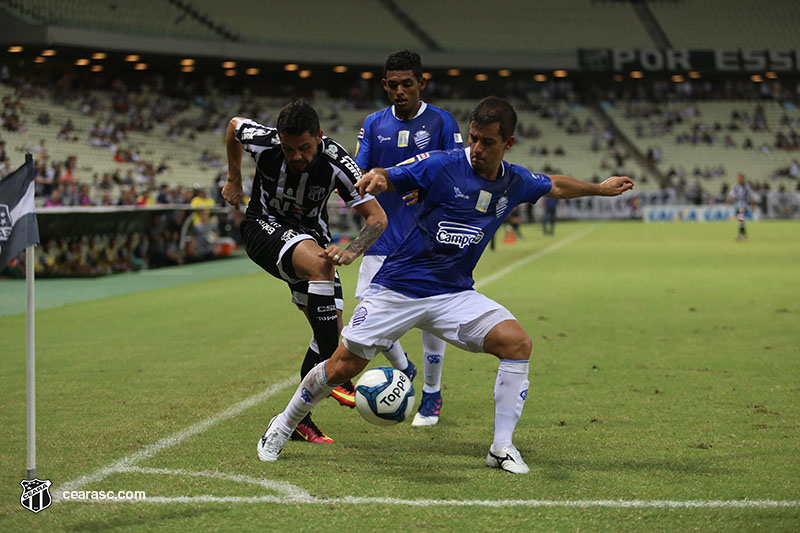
(385, 141)
(458, 213)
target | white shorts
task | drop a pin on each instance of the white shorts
(370, 264)
(462, 318)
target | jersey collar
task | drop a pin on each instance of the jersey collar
(422, 107)
(469, 162)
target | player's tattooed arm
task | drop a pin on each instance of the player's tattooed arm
(369, 233)
(375, 224)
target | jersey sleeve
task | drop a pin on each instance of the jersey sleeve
(255, 137)
(450, 134)
(363, 148)
(416, 172)
(535, 186)
(346, 176)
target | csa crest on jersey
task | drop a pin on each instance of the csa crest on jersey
(35, 494)
(502, 203)
(422, 138)
(332, 150)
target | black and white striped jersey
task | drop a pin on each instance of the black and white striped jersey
(298, 200)
(742, 195)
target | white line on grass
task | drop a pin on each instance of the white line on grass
(621, 504)
(533, 257)
(172, 440)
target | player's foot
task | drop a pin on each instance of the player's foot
(508, 458)
(308, 431)
(345, 394)
(429, 409)
(269, 446)
(410, 370)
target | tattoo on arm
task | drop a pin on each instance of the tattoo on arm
(366, 237)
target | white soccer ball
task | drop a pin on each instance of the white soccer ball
(384, 396)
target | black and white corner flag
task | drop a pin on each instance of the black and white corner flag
(18, 226)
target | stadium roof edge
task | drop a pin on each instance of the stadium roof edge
(16, 32)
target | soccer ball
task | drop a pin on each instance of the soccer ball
(384, 396)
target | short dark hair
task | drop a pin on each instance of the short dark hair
(297, 118)
(404, 60)
(493, 109)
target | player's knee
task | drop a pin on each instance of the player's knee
(319, 270)
(521, 347)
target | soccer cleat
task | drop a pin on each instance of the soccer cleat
(508, 458)
(269, 446)
(429, 408)
(345, 394)
(308, 431)
(410, 370)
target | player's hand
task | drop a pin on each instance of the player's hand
(373, 182)
(615, 185)
(412, 197)
(232, 193)
(337, 256)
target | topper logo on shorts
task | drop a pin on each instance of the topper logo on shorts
(524, 395)
(359, 315)
(457, 234)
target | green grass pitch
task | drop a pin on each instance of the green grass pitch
(666, 367)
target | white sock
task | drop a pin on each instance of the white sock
(309, 393)
(433, 349)
(396, 356)
(510, 391)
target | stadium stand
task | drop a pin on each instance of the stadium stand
(148, 17)
(729, 23)
(524, 26)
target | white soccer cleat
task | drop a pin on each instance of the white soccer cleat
(269, 446)
(508, 458)
(421, 420)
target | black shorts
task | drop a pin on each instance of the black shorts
(270, 245)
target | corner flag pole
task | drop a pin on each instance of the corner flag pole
(29, 278)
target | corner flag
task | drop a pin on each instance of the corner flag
(18, 226)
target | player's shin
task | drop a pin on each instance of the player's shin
(311, 359)
(396, 356)
(309, 393)
(510, 391)
(433, 349)
(323, 317)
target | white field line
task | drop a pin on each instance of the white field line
(533, 257)
(618, 504)
(176, 438)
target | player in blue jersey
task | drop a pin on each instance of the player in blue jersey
(407, 128)
(427, 282)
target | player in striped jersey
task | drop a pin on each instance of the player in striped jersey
(741, 196)
(285, 229)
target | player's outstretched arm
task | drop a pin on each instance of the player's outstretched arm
(376, 221)
(232, 190)
(566, 187)
(374, 182)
